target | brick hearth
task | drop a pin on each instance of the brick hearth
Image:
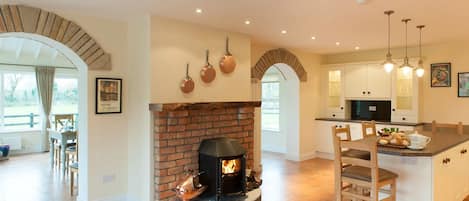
(179, 129)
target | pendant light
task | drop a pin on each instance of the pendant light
(406, 67)
(420, 71)
(389, 64)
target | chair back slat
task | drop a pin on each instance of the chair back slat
(343, 133)
(368, 126)
(356, 161)
(458, 127)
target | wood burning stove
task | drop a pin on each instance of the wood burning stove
(223, 162)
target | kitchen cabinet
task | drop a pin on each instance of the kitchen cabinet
(404, 97)
(451, 178)
(367, 81)
(335, 102)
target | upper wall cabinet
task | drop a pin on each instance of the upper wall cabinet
(405, 96)
(367, 81)
(333, 79)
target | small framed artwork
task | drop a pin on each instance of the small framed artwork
(441, 75)
(463, 84)
(108, 95)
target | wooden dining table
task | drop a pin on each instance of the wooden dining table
(63, 137)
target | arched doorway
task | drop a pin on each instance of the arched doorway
(76, 44)
(289, 65)
(280, 111)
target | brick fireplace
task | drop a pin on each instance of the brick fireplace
(179, 129)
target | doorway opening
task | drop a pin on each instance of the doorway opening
(280, 111)
(21, 119)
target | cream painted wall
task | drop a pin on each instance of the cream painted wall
(107, 134)
(175, 43)
(440, 104)
(140, 140)
(309, 98)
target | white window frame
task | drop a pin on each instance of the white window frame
(262, 98)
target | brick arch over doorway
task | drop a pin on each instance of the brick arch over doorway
(20, 18)
(275, 56)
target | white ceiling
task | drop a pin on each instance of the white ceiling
(330, 21)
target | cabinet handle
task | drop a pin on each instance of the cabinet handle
(333, 115)
(403, 118)
(446, 160)
(464, 151)
(369, 93)
(393, 109)
(363, 92)
(341, 108)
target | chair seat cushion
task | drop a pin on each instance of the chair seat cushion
(71, 149)
(353, 153)
(364, 173)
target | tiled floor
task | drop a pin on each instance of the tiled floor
(30, 178)
(311, 180)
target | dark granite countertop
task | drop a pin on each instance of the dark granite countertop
(378, 122)
(440, 142)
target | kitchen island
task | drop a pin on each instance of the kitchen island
(437, 173)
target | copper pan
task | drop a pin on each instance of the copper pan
(227, 62)
(187, 84)
(208, 73)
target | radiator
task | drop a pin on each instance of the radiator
(14, 142)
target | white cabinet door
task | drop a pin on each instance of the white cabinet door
(379, 82)
(441, 180)
(356, 81)
(324, 136)
(333, 79)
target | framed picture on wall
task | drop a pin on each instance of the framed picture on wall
(441, 75)
(463, 84)
(108, 95)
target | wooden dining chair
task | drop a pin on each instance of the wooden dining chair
(458, 127)
(60, 122)
(344, 134)
(368, 128)
(364, 174)
(73, 171)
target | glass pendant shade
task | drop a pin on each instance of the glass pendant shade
(406, 67)
(389, 64)
(420, 71)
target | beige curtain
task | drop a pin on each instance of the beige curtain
(45, 86)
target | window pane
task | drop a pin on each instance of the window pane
(270, 106)
(21, 107)
(65, 96)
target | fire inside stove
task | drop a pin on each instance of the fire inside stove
(231, 166)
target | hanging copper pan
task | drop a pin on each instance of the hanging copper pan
(187, 84)
(227, 62)
(208, 73)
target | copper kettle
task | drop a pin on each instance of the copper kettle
(190, 187)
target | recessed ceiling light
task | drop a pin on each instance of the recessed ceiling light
(357, 48)
(247, 22)
(284, 32)
(198, 10)
(313, 37)
(337, 43)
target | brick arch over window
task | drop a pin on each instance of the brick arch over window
(275, 56)
(20, 18)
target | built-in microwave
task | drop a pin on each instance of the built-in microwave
(371, 110)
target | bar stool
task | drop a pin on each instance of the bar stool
(368, 126)
(344, 135)
(437, 126)
(362, 173)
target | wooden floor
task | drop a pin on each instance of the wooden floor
(30, 178)
(311, 180)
